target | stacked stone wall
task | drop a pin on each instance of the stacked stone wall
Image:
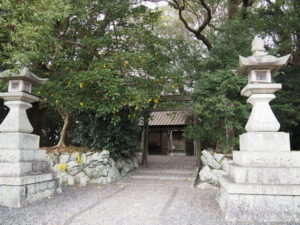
(91, 167)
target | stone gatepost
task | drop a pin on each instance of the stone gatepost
(25, 172)
(263, 182)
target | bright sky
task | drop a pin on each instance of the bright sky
(153, 5)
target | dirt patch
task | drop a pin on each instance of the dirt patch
(69, 149)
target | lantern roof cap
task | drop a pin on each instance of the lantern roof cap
(23, 74)
(260, 59)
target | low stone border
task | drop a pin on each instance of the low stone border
(91, 167)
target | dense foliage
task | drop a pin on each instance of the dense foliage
(222, 111)
(101, 57)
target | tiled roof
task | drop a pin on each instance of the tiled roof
(167, 118)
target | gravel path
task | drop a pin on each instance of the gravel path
(129, 202)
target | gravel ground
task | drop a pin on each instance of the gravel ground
(122, 204)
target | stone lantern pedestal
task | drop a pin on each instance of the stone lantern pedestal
(25, 172)
(263, 182)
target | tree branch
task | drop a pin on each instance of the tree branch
(198, 31)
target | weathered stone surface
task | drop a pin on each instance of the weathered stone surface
(265, 141)
(113, 172)
(63, 177)
(268, 159)
(208, 160)
(19, 141)
(64, 158)
(73, 168)
(206, 186)
(16, 121)
(219, 173)
(262, 118)
(225, 164)
(104, 154)
(94, 167)
(100, 171)
(125, 166)
(79, 177)
(53, 158)
(219, 157)
(73, 156)
(206, 175)
(71, 180)
(265, 175)
(17, 196)
(263, 208)
(83, 158)
(112, 162)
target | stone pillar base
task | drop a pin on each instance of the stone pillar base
(259, 203)
(17, 192)
(25, 171)
(263, 181)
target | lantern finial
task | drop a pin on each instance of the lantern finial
(258, 46)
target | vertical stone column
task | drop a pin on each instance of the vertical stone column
(25, 172)
(263, 182)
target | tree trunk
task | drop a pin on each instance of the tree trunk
(146, 143)
(233, 6)
(63, 134)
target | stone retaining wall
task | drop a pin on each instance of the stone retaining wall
(90, 167)
(214, 165)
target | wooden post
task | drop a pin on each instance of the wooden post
(197, 146)
(145, 151)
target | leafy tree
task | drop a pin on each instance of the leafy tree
(276, 22)
(99, 56)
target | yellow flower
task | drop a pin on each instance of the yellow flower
(155, 101)
(81, 85)
(78, 158)
(81, 104)
(57, 101)
(126, 63)
(150, 100)
(62, 167)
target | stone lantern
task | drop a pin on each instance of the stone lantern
(25, 172)
(263, 182)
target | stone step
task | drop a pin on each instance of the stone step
(159, 182)
(264, 175)
(165, 171)
(160, 177)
